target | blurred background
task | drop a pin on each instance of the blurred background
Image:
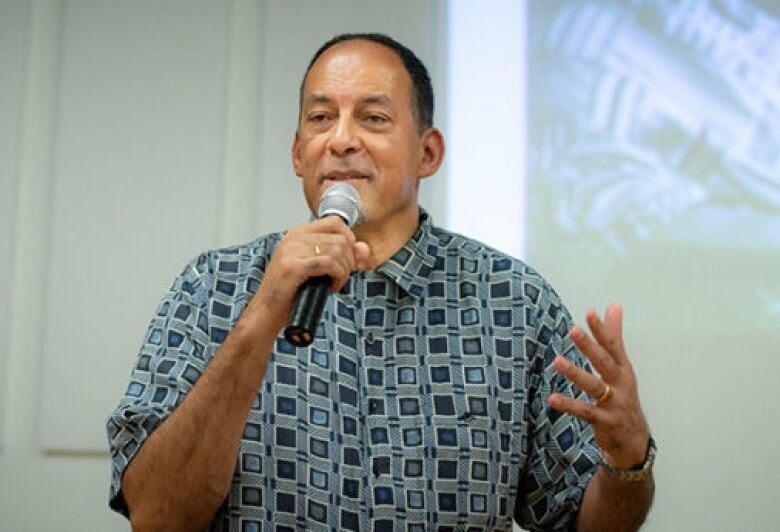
(628, 150)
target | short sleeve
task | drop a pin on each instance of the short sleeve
(172, 357)
(563, 455)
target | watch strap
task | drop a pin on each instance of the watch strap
(635, 474)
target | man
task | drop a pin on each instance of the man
(432, 396)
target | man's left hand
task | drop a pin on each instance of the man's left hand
(618, 424)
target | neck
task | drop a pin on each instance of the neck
(386, 239)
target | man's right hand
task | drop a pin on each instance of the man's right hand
(322, 247)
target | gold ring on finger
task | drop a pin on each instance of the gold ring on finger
(317, 250)
(604, 396)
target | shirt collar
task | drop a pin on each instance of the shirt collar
(411, 265)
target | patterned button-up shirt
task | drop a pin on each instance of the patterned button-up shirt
(421, 404)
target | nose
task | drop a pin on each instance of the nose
(344, 139)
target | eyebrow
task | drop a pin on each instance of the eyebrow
(316, 98)
(380, 99)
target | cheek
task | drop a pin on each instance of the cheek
(310, 149)
(305, 156)
(311, 191)
(395, 192)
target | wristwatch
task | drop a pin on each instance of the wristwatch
(635, 474)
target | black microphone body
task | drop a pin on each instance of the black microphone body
(307, 310)
(343, 201)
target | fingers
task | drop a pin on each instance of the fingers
(603, 362)
(594, 412)
(609, 333)
(591, 384)
(334, 246)
(330, 224)
(323, 247)
(580, 409)
(599, 350)
(324, 254)
(613, 325)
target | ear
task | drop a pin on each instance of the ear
(295, 152)
(431, 152)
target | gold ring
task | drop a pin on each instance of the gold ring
(317, 250)
(604, 396)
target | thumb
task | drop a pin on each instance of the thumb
(362, 254)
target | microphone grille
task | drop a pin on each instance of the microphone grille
(343, 200)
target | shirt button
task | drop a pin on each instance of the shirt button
(370, 338)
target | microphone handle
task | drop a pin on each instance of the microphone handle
(307, 310)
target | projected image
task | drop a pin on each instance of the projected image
(654, 146)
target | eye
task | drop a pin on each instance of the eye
(376, 120)
(317, 118)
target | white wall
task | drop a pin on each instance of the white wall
(132, 136)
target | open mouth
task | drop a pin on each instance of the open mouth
(340, 176)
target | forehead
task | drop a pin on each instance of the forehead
(357, 67)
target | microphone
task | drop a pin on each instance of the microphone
(342, 200)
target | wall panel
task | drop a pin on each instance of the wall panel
(13, 29)
(136, 173)
(241, 122)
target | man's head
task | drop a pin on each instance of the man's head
(422, 90)
(358, 124)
